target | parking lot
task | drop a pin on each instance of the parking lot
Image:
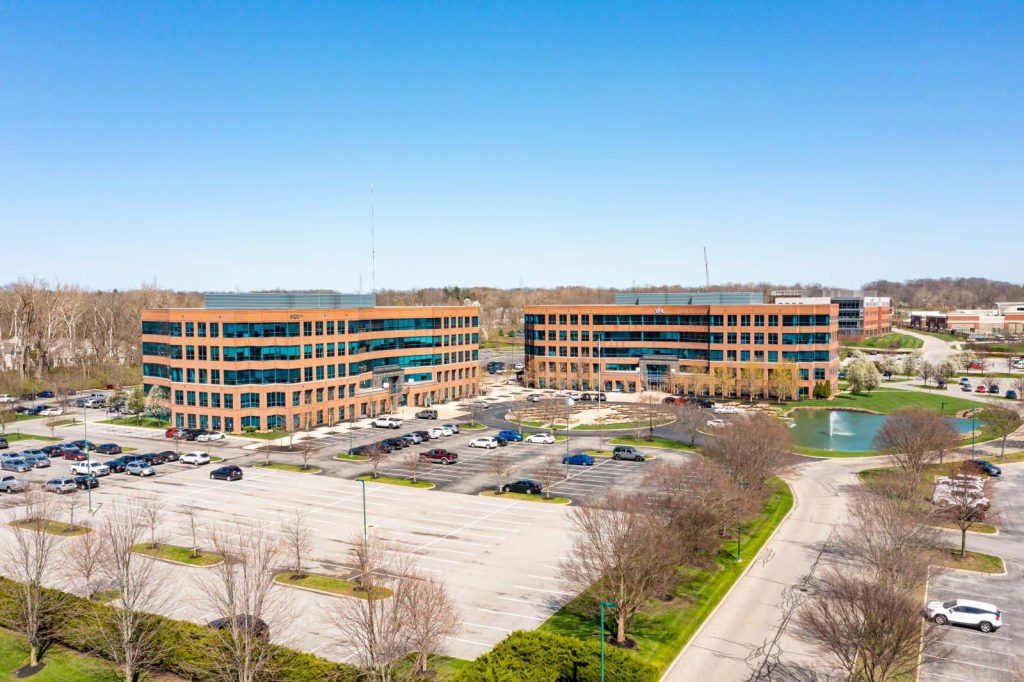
(970, 654)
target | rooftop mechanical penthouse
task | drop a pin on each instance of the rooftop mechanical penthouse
(720, 343)
(275, 361)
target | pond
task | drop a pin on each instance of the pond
(845, 430)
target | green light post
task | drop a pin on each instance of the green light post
(604, 605)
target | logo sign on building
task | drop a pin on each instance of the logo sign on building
(659, 311)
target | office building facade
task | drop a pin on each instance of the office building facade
(720, 343)
(860, 316)
(285, 361)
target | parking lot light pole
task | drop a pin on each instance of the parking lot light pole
(604, 605)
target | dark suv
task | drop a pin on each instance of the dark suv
(440, 455)
(525, 486)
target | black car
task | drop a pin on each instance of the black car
(109, 449)
(170, 456)
(192, 434)
(24, 409)
(117, 465)
(4, 444)
(423, 434)
(395, 443)
(84, 445)
(525, 486)
(128, 459)
(382, 446)
(45, 394)
(257, 626)
(53, 451)
(86, 481)
(153, 458)
(228, 473)
(501, 441)
(988, 467)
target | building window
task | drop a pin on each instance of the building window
(214, 329)
(732, 320)
(204, 399)
(201, 329)
(190, 398)
(190, 329)
(275, 399)
(249, 400)
(251, 422)
(229, 401)
(190, 352)
(215, 400)
(179, 397)
(319, 328)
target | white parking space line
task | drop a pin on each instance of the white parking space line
(488, 627)
(948, 677)
(470, 641)
(541, 589)
(514, 615)
(531, 602)
(973, 665)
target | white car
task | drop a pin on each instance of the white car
(435, 432)
(387, 421)
(195, 458)
(486, 442)
(716, 423)
(94, 468)
(50, 411)
(533, 397)
(6, 398)
(725, 409)
(210, 435)
(545, 438)
(446, 430)
(979, 614)
(518, 367)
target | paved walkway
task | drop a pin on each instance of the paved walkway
(934, 350)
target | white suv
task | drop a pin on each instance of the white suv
(488, 442)
(387, 422)
(94, 468)
(985, 617)
(196, 458)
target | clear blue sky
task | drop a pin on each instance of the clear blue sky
(223, 145)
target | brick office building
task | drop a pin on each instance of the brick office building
(268, 361)
(860, 316)
(705, 343)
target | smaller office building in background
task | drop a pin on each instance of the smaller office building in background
(290, 360)
(1007, 317)
(860, 315)
(715, 343)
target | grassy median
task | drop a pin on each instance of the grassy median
(329, 584)
(279, 466)
(391, 480)
(662, 629)
(65, 530)
(525, 497)
(60, 664)
(180, 555)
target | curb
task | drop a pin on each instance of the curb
(396, 485)
(540, 499)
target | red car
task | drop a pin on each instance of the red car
(174, 432)
(981, 389)
(74, 454)
(440, 455)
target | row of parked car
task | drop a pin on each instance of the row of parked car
(200, 435)
(409, 439)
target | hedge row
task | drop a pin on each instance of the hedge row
(537, 656)
(182, 646)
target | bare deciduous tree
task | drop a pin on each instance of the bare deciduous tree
(191, 514)
(620, 553)
(431, 617)
(865, 627)
(691, 418)
(1002, 421)
(753, 449)
(501, 466)
(413, 462)
(550, 471)
(375, 453)
(150, 513)
(297, 540)
(83, 562)
(239, 590)
(966, 505)
(128, 632)
(30, 560)
(913, 438)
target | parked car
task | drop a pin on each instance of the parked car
(169, 455)
(227, 473)
(192, 434)
(11, 484)
(966, 388)
(425, 435)
(139, 468)
(153, 459)
(52, 450)
(446, 430)
(716, 423)
(980, 389)
(525, 486)
(61, 485)
(94, 468)
(964, 380)
(84, 444)
(440, 455)
(994, 389)
(109, 449)
(387, 422)
(45, 394)
(579, 460)
(86, 482)
(5, 398)
(15, 464)
(73, 454)
(416, 437)
(454, 427)
(49, 411)
(674, 400)
(4, 444)
(209, 435)
(436, 433)
(480, 404)
(1011, 394)
(395, 443)
(988, 467)
(174, 432)
(979, 614)
(36, 458)
(533, 398)
(116, 465)
(501, 441)
(426, 414)
(546, 438)
(627, 452)
(256, 626)
(488, 442)
(510, 435)
(196, 457)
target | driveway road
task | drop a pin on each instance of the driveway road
(934, 350)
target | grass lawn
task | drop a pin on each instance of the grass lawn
(391, 480)
(988, 375)
(887, 401)
(104, 596)
(534, 424)
(446, 667)
(656, 442)
(145, 422)
(264, 435)
(939, 335)
(62, 665)
(622, 426)
(663, 628)
(345, 457)
(472, 426)
(288, 467)
(818, 452)
(181, 555)
(27, 417)
(14, 437)
(893, 340)
(524, 496)
(65, 530)
(973, 561)
(327, 583)
(983, 528)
